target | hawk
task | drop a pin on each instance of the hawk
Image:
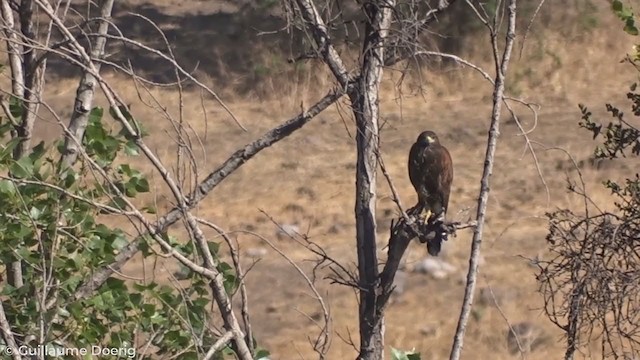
(431, 173)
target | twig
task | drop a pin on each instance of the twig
(394, 192)
(323, 41)
(323, 341)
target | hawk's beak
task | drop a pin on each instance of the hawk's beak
(430, 139)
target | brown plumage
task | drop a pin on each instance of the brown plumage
(431, 173)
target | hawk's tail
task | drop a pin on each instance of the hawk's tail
(435, 245)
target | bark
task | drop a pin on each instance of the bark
(502, 64)
(86, 91)
(365, 103)
(13, 48)
(32, 80)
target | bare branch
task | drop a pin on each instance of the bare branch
(218, 290)
(323, 41)
(402, 232)
(209, 183)
(218, 345)
(403, 45)
(14, 49)
(494, 131)
(240, 275)
(322, 343)
(86, 88)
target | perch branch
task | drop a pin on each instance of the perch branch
(401, 235)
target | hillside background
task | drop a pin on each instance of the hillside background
(571, 55)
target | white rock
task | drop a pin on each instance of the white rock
(437, 268)
(257, 252)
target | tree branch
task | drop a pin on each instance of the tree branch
(217, 289)
(85, 93)
(401, 47)
(207, 185)
(494, 132)
(401, 234)
(321, 35)
(218, 345)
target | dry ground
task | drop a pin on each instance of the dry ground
(307, 180)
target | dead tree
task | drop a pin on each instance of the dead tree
(590, 278)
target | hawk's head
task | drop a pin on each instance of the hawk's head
(428, 138)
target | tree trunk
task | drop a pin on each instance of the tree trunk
(366, 110)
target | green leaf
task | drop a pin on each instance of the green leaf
(125, 169)
(150, 209)
(95, 114)
(142, 185)
(37, 151)
(124, 110)
(118, 203)
(22, 168)
(119, 242)
(35, 213)
(131, 149)
(262, 354)
(630, 27)
(214, 247)
(15, 107)
(616, 5)
(7, 187)
(7, 151)
(397, 354)
(130, 189)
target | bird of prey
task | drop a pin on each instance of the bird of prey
(431, 173)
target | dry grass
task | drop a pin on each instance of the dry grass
(308, 180)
